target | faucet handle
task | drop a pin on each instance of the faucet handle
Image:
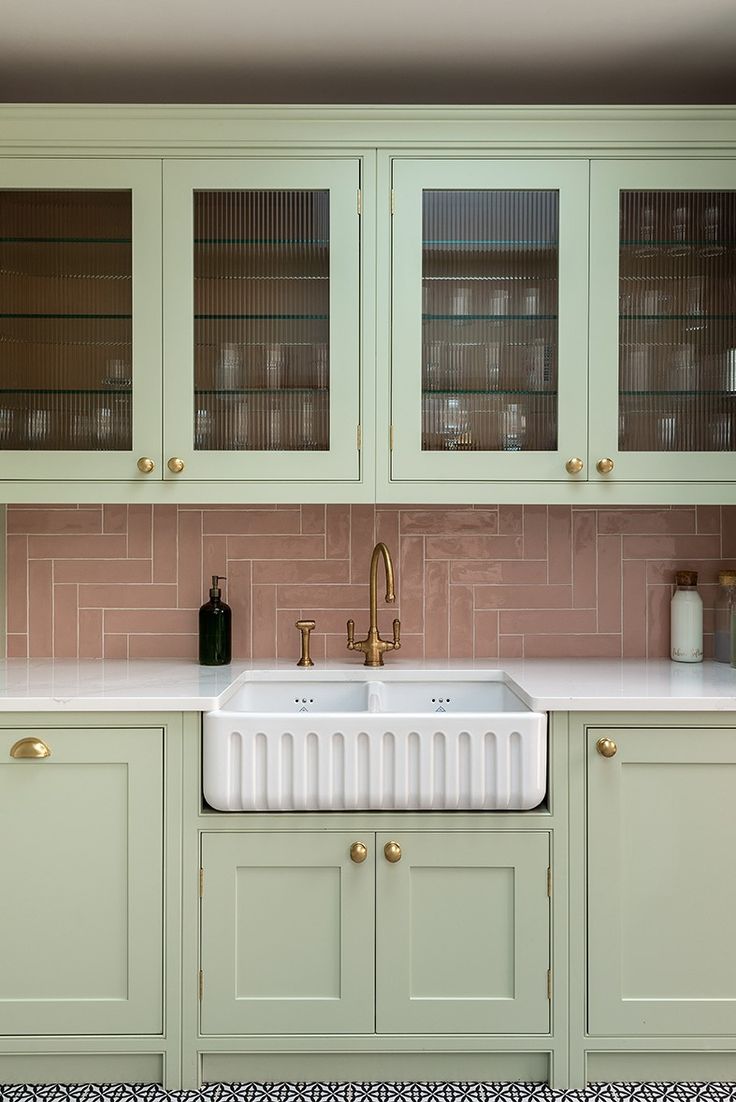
(305, 627)
(397, 634)
(351, 634)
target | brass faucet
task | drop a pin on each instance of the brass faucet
(374, 646)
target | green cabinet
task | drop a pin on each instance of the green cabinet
(81, 911)
(661, 881)
(462, 933)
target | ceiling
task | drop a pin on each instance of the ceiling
(386, 51)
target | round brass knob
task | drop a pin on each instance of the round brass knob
(145, 465)
(30, 748)
(606, 747)
(604, 466)
(358, 852)
(392, 852)
(574, 466)
(176, 466)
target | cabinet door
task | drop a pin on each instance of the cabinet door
(80, 327)
(663, 320)
(262, 317)
(489, 357)
(462, 934)
(662, 883)
(287, 934)
(81, 910)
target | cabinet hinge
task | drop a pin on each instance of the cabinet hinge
(200, 984)
(360, 201)
(549, 983)
(393, 201)
(391, 438)
(201, 883)
(359, 438)
(549, 883)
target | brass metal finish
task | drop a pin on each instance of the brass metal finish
(176, 466)
(373, 647)
(727, 577)
(392, 852)
(30, 748)
(574, 466)
(359, 438)
(358, 852)
(549, 983)
(549, 883)
(606, 747)
(145, 465)
(604, 466)
(201, 882)
(305, 627)
(200, 985)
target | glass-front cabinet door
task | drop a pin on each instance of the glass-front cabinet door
(489, 320)
(663, 320)
(262, 319)
(80, 319)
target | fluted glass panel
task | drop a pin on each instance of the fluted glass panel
(261, 331)
(677, 349)
(65, 320)
(489, 320)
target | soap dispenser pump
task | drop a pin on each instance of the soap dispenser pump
(215, 628)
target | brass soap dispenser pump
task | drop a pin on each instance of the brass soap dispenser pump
(215, 628)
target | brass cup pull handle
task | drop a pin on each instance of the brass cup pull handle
(145, 465)
(30, 748)
(606, 747)
(604, 466)
(574, 465)
(176, 466)
(392, 852)
(358, 852)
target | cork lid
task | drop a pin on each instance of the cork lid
(686, 577)
(727, 577)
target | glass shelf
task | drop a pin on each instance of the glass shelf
(261, 390)
(66, 240)
(490, 393)
(679, 393)
(322, 242)
(78, 317)
(678, 244)
(261, 317)
(489, 317)
(126, 391)
(509, 243)
(677, 317)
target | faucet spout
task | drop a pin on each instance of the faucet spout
(374, 646)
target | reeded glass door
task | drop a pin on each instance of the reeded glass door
(663, 320)
(490, 317)
(262, 319)
(80, 319)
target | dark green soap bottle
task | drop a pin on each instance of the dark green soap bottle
(215, 628)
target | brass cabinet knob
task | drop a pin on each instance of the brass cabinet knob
(392, 852)
(358, 852)
(145, 465)
(30, 748)
(606, 747)
(176, 466)
(604, 466)
(574, 466)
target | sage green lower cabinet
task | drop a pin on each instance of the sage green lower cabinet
(463, 933)
(661, 882)
(81, 906)
(287, 934)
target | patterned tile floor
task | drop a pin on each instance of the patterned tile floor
(375, 1092)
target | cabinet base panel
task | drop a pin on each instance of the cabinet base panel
(74, 1067)
(379, 1067)
(661, 1067)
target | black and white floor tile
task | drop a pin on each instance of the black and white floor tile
(375, 1092)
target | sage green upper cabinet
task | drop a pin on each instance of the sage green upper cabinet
(81, 910)
(462, 933)
(80, 320)
(489, 328)
(663, 320)
(262, 319)
(661, 882)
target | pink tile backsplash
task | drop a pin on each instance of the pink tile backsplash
(489, 582)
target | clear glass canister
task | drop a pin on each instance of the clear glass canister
(686, 619)
(725, 618)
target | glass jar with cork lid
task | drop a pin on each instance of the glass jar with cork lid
(686, 619)
(725, 618)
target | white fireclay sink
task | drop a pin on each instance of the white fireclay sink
(364, 743)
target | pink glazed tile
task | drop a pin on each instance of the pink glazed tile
(172, 646)
(461, 621)
(572, 646)
(16, 552)
(127, 596)
(165, 545)
(338, 532)
(559, 543)
(433, 522)
(708, 519)
(54, 521)
(253, 522)
(116, 646)
(411, 573)
(486, 635)
(436, 610)
(658, 621)
(523, 596)
(190, 593)
(17, 646)
(634, 609)
(362, 539)
(535, 531)
(646, 521)
(65, 621)
(313, 519)
(90, 633)
(584, 559)
(609, 584)
(40, 609)
(103, 571)
(114, 518)
(140, 531)
(302, 571)
(473, 547)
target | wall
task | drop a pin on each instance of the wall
(486, 581)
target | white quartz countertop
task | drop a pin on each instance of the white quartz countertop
(562, 685)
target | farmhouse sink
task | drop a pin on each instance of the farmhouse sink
(406, 744)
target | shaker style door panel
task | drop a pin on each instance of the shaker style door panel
(262, 319)
(489, 356)
(80, 319)
(661, 882)
(287, 934)
(663, 320)
(462, 933)
(81, 910)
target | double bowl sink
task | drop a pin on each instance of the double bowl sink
(367, 743)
